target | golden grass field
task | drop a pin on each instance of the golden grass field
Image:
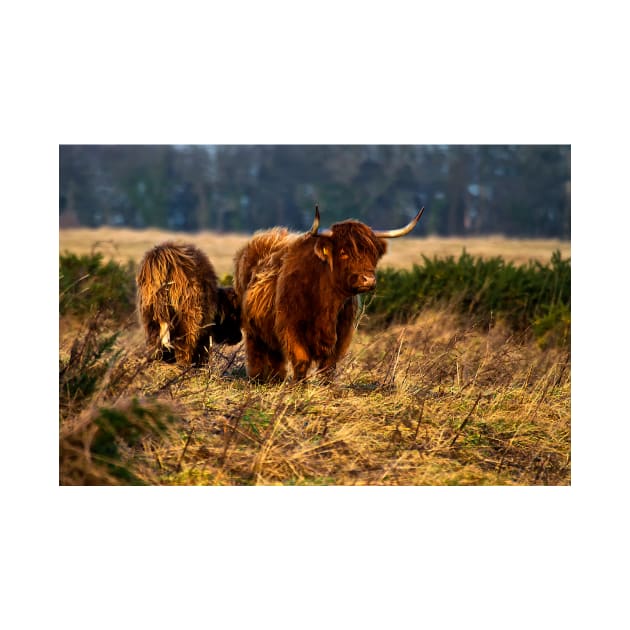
(124, 244)
(438, 401)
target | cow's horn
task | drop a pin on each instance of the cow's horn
(315, 225)
(401, 231)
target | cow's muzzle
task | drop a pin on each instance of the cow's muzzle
(365, 282)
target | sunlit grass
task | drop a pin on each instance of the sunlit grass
(435, 402)
(441, 400)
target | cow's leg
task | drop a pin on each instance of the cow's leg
(152, 336)
(182, 346)
(263, 363)
(345, 330)
(183, 354)
(256, 358)
(277, 364)
(202, 349)
(167, 355)
(327, 368)
(299, 358)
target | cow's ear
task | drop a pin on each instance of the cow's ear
(323, 250)
(382, 248)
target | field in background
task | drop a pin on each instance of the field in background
(122, 245)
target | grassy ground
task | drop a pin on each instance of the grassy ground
(438, 401)
(435, 402)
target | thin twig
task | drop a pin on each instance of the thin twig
(173, 380)
(87, 275)
(466, 419)
(415, 435)
(394, 364)
(181, 457)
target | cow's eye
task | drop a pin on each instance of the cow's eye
(342, 254)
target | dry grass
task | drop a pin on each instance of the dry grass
(432, 403)
(436, 402)
(124, 244)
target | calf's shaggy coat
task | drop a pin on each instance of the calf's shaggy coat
(181, 306)
(298, 294)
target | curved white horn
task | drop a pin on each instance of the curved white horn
(401, 231)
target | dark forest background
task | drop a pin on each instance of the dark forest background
(516, 190)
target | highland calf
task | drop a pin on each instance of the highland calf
(298, 294)
(181, 306)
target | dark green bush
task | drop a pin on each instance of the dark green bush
(81, 374)
(88, 285)
(105, 447)
(533, 297)
(127, 426)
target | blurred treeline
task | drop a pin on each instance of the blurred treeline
(516, 190)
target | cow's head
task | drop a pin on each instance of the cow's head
(351, 250)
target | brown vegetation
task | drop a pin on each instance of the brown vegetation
(438, 401)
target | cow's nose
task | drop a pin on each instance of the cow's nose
(368, 280)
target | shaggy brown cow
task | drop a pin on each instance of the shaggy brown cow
(181, 307)
(298, 294)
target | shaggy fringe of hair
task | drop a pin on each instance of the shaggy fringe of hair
(177, 289)
(359, 239)
(257, 255)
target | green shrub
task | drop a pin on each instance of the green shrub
(532, 296)
(105, 447)
(553, 325)
(81, 374)
(88, 285)
(226, 280)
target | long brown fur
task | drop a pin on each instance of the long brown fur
(298, 296)
(181, 306)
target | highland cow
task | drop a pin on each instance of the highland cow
(298, 294)
(181, 306)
